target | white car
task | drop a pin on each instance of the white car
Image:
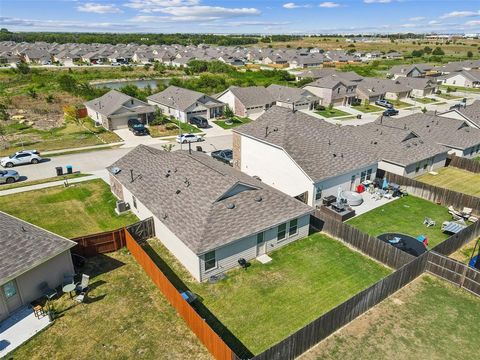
(188, 138)
(21, 157)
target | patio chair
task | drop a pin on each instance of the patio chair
(80, 298)
(47, 291)
(68, 279)
(429, 222)
(84, 284)
(466, 212)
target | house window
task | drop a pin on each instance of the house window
(425, 165)
(210, 260)
(9, 289)
(318, 192)
(293, 227)
(338, 91)
(282, 230)
(260, 238)
(417, 169)
(134, 199)
(363, 176)
(369, 174)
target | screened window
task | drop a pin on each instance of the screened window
(9, 289)
(210, 260)
(318, 192)
(363, 176)
(260, 238)
(282, 230)
(293, 227)
(369, 174)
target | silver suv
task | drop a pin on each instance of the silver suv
(8, 176)
(21, 157)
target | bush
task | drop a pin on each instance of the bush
(320, 107)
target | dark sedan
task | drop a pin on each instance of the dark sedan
(390, 112)
(137, 128)
(225, 156)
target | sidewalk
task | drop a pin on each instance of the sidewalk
(93, 147)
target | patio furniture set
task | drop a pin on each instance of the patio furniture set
(464, 214)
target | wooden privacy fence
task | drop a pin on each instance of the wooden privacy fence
(367, 244)
(311, 334)
(454, 271)
(212, 341)
(436, 194)
(464, 163)
(456, 241)
(109, 241)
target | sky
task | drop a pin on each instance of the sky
(242, 16)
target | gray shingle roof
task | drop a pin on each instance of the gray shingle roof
(289, 95)
(191, 201)
(177, 97)
(252, 95)
(114, 100)
(321, 149)
(331, 81)
(472, 112)
(24, 246)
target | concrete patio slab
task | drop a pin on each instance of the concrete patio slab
(264, 259)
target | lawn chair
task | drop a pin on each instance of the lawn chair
(457, 215)
(68, 279)
(82, 287)
(47, 291)
(467, 212)
(429, 222)
(80, 298)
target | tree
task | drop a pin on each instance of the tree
(469, 54)
(67, 83)
(427, 50)
(23, 68)
(438, 51)
(228, 112)
(147, 66)
(417, 53)
(32, 93)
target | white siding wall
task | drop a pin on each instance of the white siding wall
(169, 111)
(186, 256)
(227, 256)
(391, 168)
(229, 99)
(274, 167)
(458, 80)
(96, 116)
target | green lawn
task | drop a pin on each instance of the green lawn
(81, 209)
(265, 303)
(454, 179)
(125, 316)
(465, 253)
(448, 96)
(460, 88)
(405, 216)
(428, 319)
(425, 100)
(171, 129)
(367, 109)
(42, 181)
(329, 113)
(398, 104)
(236, 121)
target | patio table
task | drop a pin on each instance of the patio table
(69, 288)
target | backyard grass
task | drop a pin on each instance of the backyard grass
(83, 208)
(265, 303)
(404, 216)
(428, 319)
(367, 108)
(171, 129)
(454, 179)
(329, 113)
(124, 317)
(41, 181)
(236, 121)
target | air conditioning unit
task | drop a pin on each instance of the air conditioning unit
(122, 206)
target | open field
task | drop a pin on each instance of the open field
(81, 209)
(266, 303)
(236, 121)
(428, 319)
(124, 317)
(454, 179)
(404, 216)
(329, 113)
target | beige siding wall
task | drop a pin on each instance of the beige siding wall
(51, 271)
(227, 256)
(432, 165)
(3, 307)
(391, 168)
(229, 99)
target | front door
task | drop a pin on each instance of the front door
(261, 244)
(11, 295)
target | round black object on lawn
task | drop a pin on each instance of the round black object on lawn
(406, 243)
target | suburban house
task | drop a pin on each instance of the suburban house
(302, 156)
(293, 98)
(420, 87)
(320, 73)
(250, 101)
(391, 89)
(30, 255)
(114, 109)
(457, 136)
(333, 89)
(206, 213)
(414, 70)
(184, 103)
(468, 79)
(469, 114)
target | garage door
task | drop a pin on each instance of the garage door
(121, 123)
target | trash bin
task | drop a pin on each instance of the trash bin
(59, 170)
(69, 169)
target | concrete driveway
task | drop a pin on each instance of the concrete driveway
(132, 140)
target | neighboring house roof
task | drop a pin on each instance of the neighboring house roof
(384, 85)
(290, 95)
(251, 95)
(322, 150)
(470, 112)
(179, 98)
(24, 246)
(407, 69)
(192, 195)
(472, 75)
(321, 73)
(331, 82)
(417, 83)
(114, 101)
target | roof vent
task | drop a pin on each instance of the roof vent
(167, 174)
(258, 198)
(165, 216)
(230, 206)
(334, 155)
(177, 192)
(116, 170)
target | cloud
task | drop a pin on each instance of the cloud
(377, 1)
(472, 23)
(329, 4)
(417, 18)
(99, 8)
(60, 24)
(193, 13)
(408, 25)
(460, 14)
(292, 5)
(157, 5)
